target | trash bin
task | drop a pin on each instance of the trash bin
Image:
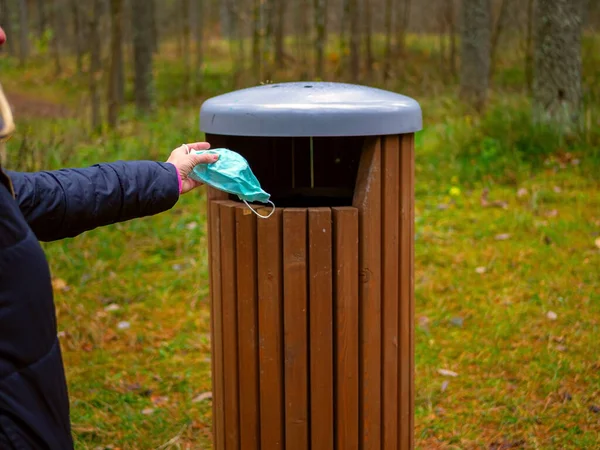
(312, 309)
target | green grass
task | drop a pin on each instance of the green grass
(482, 303)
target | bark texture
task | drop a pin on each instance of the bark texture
(115, 87)
(475, 52)
(321, 35)
(142, 50)
(557, 61)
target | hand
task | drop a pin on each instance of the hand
(185, 162)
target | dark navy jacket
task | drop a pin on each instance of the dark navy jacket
(46, 206)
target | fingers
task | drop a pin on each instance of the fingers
(205, 158)
(187, 148)
(199, 146)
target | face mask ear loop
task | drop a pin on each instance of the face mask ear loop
(259, 215)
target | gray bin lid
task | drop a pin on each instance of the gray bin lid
(310, 109)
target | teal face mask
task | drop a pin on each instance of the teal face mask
(231, 173)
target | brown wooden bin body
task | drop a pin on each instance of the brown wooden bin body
(312, 315)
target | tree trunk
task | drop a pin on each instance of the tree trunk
(279, 33)
(451, 21)
(475, 52)
(496, 33)
(187, 46)
(78, 38)
(142, 54)
(402, 20)
(6, 20)
(302, 38)
(344, 34)
(116, 62)
(557, 62)
(236, 45)
(55, 13)
(23, 33)
(368, 38)
(151, 4)
(387, 57)
(225, 18)
(354, 40)
(269, 19)
(42, 19)
(95, 63)
(442, 25)
(200, 11)
(320, 14)
(529, 47)
(256, 41)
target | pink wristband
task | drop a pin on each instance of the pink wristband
(179, 179)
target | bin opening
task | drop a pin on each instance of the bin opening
(300, 171)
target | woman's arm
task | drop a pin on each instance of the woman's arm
(64, 203)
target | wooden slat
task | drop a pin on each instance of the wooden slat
(216, 324)
(270, 329)
(230, 341)
(247, 309)
(345, 224)
(367, 198)
(321, 328)
(411, 311)
(390, 260)
(405, 275)
(295, 326)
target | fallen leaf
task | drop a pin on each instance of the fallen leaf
(87, 347)
(202, 397)
(123, 325)
(551, 315)
(506, 445)
(159, 399)
(522, 192)
(445, 385)
(483, 199)
(147, 411)
(110, 335)
(500, 204)
(502, 237)
(58, 284)
(480, 269)
(457, 321)
(112, 307)
(447, 373)
(424, 323)
(133, 387)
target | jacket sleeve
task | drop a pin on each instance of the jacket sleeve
(64, 203)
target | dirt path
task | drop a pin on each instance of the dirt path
(28, 106)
